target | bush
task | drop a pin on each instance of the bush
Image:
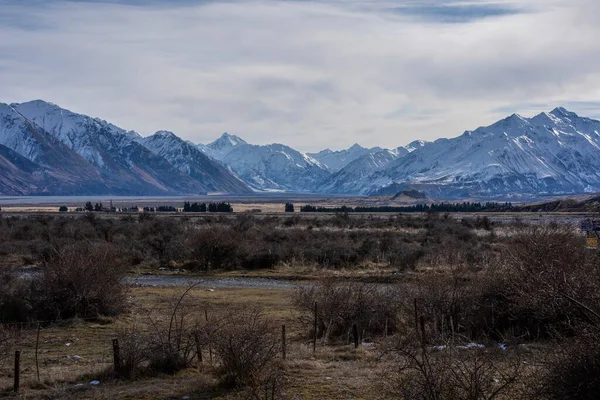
(551, 281)
(452, 372)
(158, 344)
(575, 373)
(80, 280)
(214, 248)
(340, 305)
(247, 345)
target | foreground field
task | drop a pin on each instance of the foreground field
(73, 354)
(396, 306)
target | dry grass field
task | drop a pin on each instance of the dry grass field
(333, 372)
(442, 307)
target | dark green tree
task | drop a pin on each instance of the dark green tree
(289, 207)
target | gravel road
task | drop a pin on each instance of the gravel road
(208, 283)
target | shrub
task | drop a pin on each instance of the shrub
(575, 373)
(452, 372)
(551, 281)
(246, 344)
(214, 248)
(340, 305)
(157, 343)
(80, 280)
(16, 304)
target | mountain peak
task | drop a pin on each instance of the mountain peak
(165, 134)
(515, 117)
(232, 140)
(37, 104)
(415, 145)
(563, 112)
(356, 146)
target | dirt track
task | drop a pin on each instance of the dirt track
(208, 283)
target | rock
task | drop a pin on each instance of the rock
(76, 358)
(94, 383)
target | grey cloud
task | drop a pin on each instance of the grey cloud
(318, 74)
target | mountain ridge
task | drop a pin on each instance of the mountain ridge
(46, 149)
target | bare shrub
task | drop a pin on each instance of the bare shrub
(551, 282)
(575, 372)
(246, 344)
(341, 304)
(171, 342)
(214, 247)
(159, 342)
(16, 304)
(80, 280)
(452, 372)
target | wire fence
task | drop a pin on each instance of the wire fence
(78, 351)
(52, 354)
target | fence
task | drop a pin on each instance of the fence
(51, 351)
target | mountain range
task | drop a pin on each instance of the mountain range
(48, 150)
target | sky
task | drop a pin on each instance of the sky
(311, 74)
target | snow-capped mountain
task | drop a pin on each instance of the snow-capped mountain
(268, 167)
(189, 159)
(222, 146)
(45, 149)
(355, 176)
(552, 153)
(35, 162)
(124, 165)
(336, 160)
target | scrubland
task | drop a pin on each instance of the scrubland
(440, 308)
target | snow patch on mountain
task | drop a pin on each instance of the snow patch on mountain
(336, 160)
(268, 167)
(188, 158)
(555, 152)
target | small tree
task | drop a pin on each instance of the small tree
(289, 207)
(89, 206)
(63, 209)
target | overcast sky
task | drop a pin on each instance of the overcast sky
(310, 74)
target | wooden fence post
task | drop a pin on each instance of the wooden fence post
(209, 339)
(283, 349)
(355, 335)
(198, 347)
(315, 329)
(37, 346)
(17, 371)
(116, 357)
(386, 328)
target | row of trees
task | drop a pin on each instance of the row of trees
(187, 207)
(439, 207)
(203, 207)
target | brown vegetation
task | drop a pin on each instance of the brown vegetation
(478, 310)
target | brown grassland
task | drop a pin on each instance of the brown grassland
(441, 307)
